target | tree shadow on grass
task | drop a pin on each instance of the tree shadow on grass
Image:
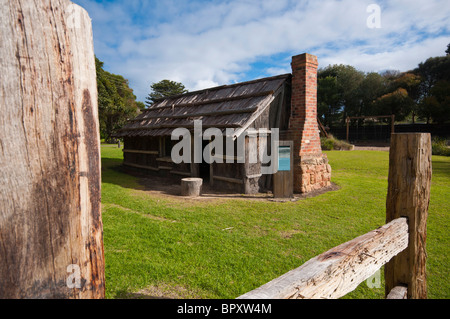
(441, 168)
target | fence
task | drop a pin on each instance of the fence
(381, 132)
(399, 244)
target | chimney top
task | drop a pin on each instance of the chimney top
(304, 58)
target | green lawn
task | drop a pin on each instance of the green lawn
(224, 248)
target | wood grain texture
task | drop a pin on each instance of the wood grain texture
(50, 215)
(409, 196)
(191, 186)
(398, 292)
(339, 270)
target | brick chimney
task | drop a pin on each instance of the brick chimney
(311, 169)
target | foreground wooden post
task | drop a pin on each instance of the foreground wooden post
(50, 217)
(409, 196)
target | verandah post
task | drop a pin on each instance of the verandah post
(408, 196)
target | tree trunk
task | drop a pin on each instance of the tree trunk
(191, 186)
(50, 216)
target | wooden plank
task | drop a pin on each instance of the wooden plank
(408, 195)
(141, 166)
(159, 126)
(164, 159)
(195, 114)
(214, 101)
(322, 128)
(50, 214)
(229, 179)
(180, 173)
(253, 176)
(235, 159)
(398, 292)
(140, 152)
(339, 270)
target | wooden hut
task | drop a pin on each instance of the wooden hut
(261, 105)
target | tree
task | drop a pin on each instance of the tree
(433, 90)
(342, 94)
(371, 87)
(163, 89)
(328, 102)
(431, 71)
(436, 106)
(116, 101)
(411, 83)
(397, 102)
(140, 105)
(345, 91)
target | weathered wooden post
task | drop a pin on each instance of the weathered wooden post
(347, 122)
(191, 186)
(409, 196)
(50, 217)
(392, 123)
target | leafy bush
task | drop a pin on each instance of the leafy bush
(326, 143)
(331, 143)
(439, 147)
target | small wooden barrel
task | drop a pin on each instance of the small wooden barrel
(191, 186)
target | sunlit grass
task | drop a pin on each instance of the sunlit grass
(224, 248)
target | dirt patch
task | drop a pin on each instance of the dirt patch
(158, 218)
(170, 187)
(287, 234)
(165, 291)
(372, 148)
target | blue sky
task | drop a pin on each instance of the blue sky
(208, 43)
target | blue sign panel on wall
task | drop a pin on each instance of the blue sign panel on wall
(284, 158)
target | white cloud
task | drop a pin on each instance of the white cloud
(204, 44)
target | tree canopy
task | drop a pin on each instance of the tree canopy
(423, 92)
(163, 89)
(116, 101)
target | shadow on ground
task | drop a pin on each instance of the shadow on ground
(114, 172)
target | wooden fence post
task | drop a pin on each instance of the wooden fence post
(347, 121)
(51, 242)
(408, 196)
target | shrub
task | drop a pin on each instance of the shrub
(332, 143)
(439, 147)
(326, 143)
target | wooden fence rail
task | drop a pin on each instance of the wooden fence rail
(400, 243)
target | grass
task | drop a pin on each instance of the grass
(168, 246)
